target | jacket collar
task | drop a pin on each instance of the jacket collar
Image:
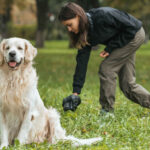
(90, 22)
(91, 29)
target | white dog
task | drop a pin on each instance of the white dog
(22, 112)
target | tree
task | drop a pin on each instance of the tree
(88, 4)
(42, 21)
(5, 14)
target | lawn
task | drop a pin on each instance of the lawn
(128, 130)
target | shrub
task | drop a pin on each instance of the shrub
(23, 31)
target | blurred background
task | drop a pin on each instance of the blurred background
(37, 19)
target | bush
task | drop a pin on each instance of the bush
(23, 31)
(29, 32)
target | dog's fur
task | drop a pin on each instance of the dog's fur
(22, 112)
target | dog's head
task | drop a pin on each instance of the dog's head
(16, 51)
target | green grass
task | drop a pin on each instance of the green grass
(129, 130)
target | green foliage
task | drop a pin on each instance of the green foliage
(128, 130)
(23, 31)
(138, 9)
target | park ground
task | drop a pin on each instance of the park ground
(128, 130)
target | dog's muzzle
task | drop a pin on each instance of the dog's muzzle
(12, 63)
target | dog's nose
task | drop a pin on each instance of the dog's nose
(12, 53)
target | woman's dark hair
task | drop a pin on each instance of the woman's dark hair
(70, 11)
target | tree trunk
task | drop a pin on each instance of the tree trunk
(88, 4)
(40, 38)
(5, 19)
(42, 21)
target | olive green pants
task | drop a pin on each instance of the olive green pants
(121, 62)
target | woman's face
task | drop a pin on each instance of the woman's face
(72, 24)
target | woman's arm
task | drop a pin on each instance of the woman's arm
(82, 59)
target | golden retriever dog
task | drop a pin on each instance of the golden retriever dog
(23, 115)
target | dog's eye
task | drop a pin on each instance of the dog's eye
(7, 48)
(20, 48)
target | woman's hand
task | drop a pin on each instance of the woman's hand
(75, 94)
(104, 54)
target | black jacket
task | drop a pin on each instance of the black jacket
(110, 27)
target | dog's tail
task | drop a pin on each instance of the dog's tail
(58, 133)
(79, 142)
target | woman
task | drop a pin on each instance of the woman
(123, 35)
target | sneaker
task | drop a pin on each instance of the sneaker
(106, 113)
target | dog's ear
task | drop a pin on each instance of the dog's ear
(2, 47)
(30, 51)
